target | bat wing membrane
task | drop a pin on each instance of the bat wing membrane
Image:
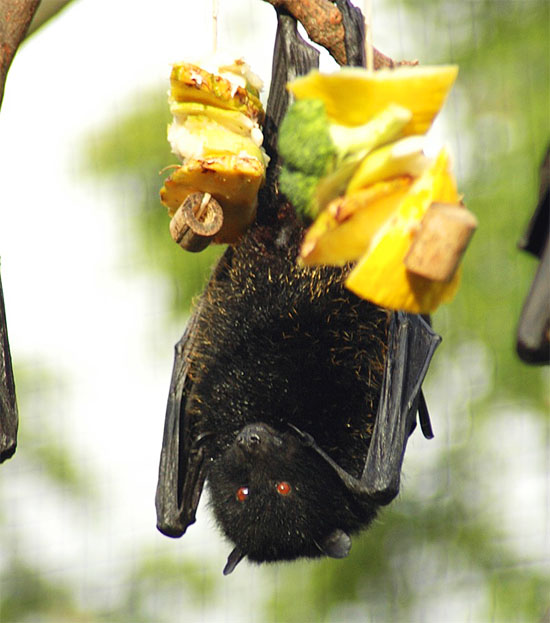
(411, 345)
(181, 470)
(8, 404)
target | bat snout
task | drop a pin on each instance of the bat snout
(258, 438)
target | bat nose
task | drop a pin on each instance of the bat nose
(249, 438)
(258, 439)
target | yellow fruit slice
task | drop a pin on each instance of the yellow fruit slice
(201, 137)
(381, 276)
(403, 157)
(353, 95)
(191, 83)
(232, 180)
(230, 119)
(343, 232)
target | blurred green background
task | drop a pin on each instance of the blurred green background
(469, 537)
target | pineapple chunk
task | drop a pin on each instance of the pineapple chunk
(201, 137)
(191, 83)
(232, 180)
(230, 119)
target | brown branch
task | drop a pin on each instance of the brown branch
(323, 23)
(15, 17)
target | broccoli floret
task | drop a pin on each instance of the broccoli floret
(305, 142)
(315, 149)
(299, 188)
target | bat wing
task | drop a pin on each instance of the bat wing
(182, 469)
(8, 404)
(533, 336)
(411, 345)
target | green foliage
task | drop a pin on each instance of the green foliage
(40, 391)
(505, 83)
(161, 579)
(28, 596)
(420, 551)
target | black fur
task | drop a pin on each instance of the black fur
(278, 344)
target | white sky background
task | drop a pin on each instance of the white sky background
(73, 306)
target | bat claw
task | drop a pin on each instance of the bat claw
(306, 438)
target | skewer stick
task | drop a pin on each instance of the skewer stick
(196, 222)
(367, 12)
(214, 26)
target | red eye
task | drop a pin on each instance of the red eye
(242, 494)
(283, 488)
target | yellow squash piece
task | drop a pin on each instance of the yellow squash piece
(232, 180)
(354, 95)
(381, 276)
(343, 231)
(191, 83)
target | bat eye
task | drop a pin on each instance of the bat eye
(283, 488)
(242, 494)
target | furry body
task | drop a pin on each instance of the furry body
(282, 345)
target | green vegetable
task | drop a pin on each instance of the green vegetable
(299, 188)
(318, 149)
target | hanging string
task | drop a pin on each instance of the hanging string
(367, 12)
(214, 26)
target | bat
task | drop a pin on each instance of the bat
(533, 335)
(8, 404)
(291, 399)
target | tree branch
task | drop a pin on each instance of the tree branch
(15, 17)
(323, 23)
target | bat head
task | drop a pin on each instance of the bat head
(276, 499)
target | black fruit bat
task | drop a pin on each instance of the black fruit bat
(533, 336)
(8, 404)
(290, 397)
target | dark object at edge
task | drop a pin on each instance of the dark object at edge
(8, 404)
(533, 337)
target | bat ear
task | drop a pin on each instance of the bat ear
(337, 544)
(232, 561)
